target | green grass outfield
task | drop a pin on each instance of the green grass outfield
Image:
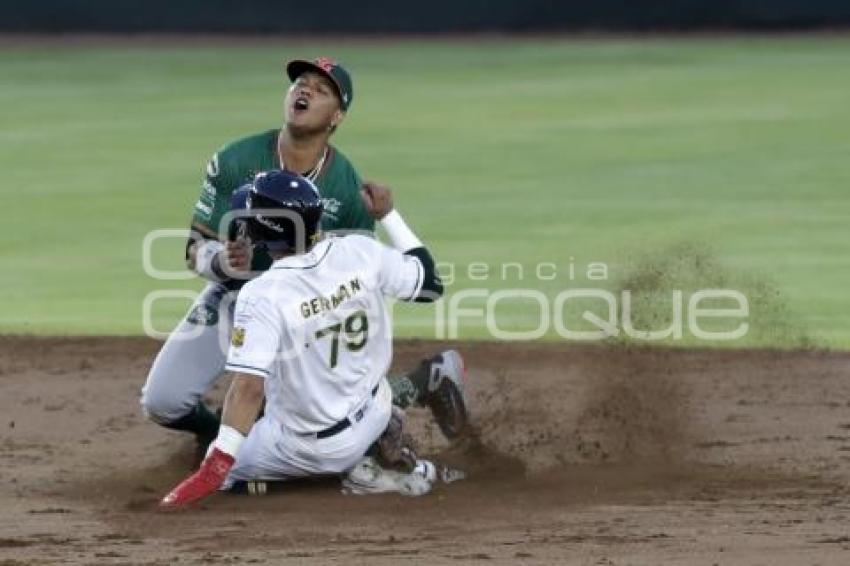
(641, 154)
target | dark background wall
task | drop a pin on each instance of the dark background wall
(386, 16)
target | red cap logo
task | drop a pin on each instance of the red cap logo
(326, 64)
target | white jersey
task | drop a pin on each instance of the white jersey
(316, 328)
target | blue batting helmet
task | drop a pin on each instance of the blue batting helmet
(283, 211)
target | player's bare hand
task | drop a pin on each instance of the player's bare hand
(378, 199)
(238, 255)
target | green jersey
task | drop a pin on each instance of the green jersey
(238, 162)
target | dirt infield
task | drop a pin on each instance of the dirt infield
(585, 455)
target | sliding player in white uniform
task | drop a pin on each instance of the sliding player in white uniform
(314, 337)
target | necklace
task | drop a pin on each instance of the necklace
(313, 173)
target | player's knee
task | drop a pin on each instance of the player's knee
(151, 409)
(160, 407)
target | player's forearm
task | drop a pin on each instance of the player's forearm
(241, 406)
(205, 260)
(403, 238)
(204, 256)
(243, 402)
(218, 262)
(399, 233)
(432, 284)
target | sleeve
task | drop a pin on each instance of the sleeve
(401, 275)
(432, 284)
(214, 200)
(255, 340)
(357, 217)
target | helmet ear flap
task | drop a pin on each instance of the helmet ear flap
(240, 228)
(250, 231)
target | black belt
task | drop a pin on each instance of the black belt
(344, 423)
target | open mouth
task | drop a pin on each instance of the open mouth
(301, 104)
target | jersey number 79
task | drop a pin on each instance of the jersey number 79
(356, 332)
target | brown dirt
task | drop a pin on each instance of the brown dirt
(584, 455)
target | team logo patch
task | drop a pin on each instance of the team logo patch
(326, 64)
(203, 315)
(237, 338)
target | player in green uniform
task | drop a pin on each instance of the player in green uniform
(193, 357)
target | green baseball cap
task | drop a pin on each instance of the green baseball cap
(329, 68)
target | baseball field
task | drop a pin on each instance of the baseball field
(653, 169)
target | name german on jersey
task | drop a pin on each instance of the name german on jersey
(318, 305)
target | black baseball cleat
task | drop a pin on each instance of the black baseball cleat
(446, 396)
